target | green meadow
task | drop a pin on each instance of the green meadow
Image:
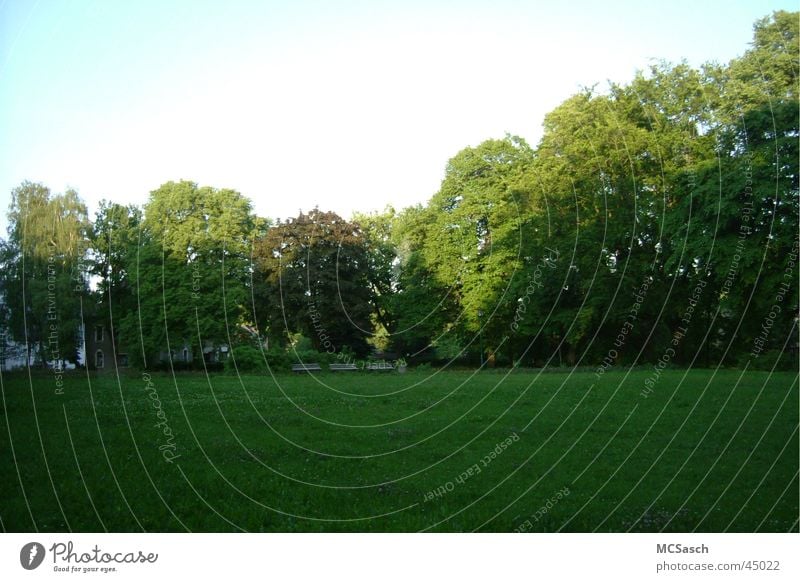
(423, 451)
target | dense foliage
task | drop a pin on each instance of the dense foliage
(655, 221)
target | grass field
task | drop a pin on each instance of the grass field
(452, 451)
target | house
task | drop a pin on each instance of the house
(15, 355)
(102, 348)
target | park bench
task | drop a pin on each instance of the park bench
(306, 368)
(343, 367)
(380, 366)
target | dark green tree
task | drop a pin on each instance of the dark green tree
(313, 276)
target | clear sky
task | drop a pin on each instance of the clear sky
(346, 105)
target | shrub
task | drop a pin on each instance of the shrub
(311, 357)
(278, 359)
(245, 359)
(781, 360)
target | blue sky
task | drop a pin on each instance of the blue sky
(345, 105)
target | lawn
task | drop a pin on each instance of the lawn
(448, 451)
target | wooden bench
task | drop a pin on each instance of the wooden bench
(380, 366)
(342, 367)
(306, 368)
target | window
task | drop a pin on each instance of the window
(122, 360)
(98, 333)
(99, 361)
(185, 355)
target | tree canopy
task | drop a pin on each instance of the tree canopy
(658, 216)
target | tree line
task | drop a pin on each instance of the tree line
(654, 220)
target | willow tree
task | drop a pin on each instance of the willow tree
(44, 271)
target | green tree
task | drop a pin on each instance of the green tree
(422, 308)
(382, 270)
(473, 242)
(43, 275)
(190, 269)
(115, 238)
